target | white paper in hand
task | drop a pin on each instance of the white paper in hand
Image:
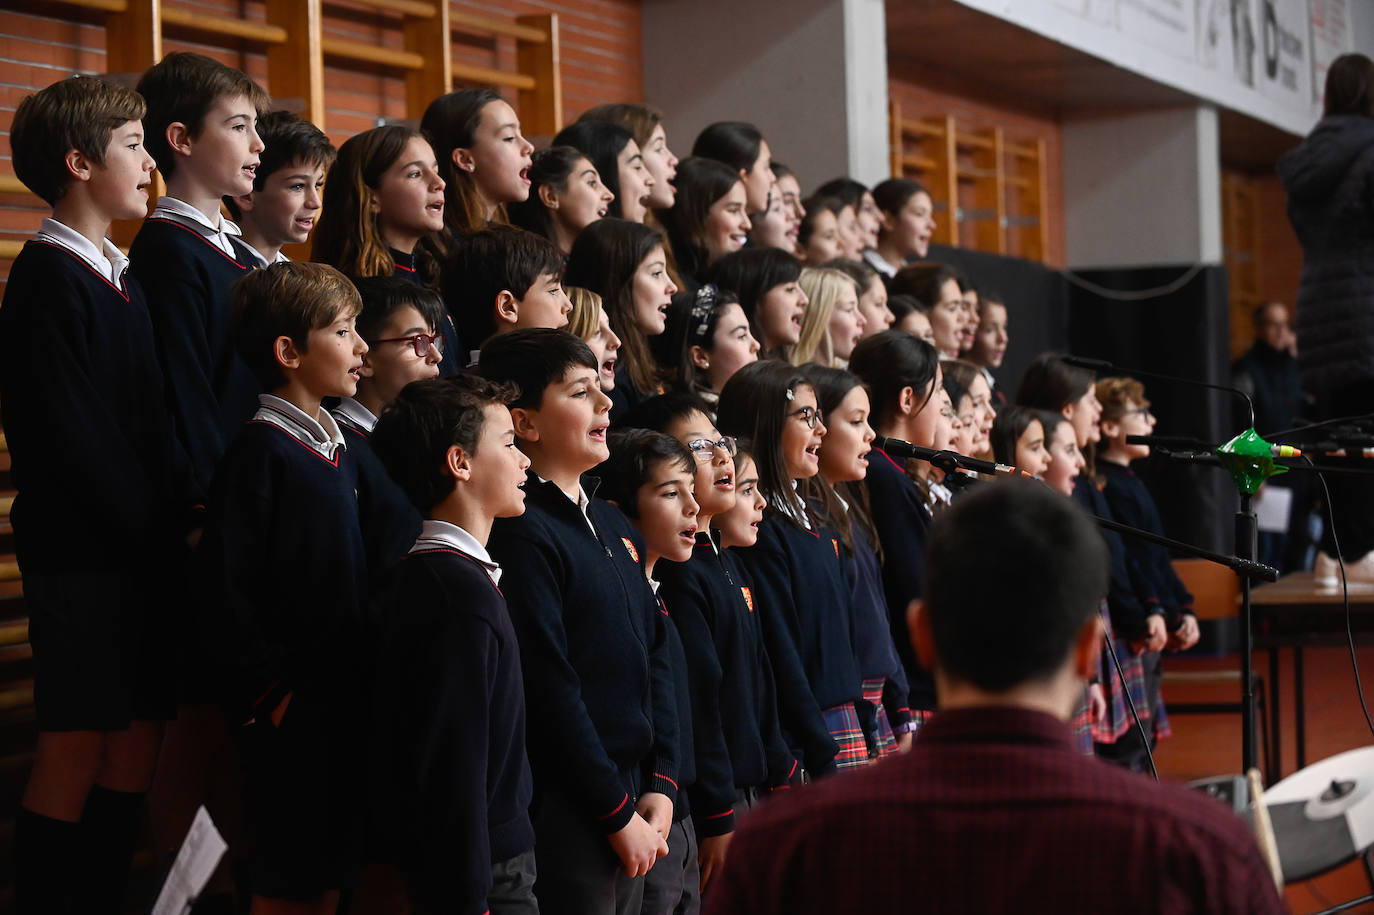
(196, 861)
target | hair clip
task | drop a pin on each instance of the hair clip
(791, 395)
(703, 306)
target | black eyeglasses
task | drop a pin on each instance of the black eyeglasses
(1139, 411)
(809, 415)
(421, 342)
(704, 448)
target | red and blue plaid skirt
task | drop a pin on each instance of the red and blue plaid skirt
(1118, 717)
(884, 742)
(842, 722)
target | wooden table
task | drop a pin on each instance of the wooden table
(1293, 612)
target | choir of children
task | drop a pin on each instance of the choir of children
(477, 652)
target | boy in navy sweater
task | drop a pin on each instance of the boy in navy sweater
(90, 437)
(201, 131)
(501, 279)
(650, 478)
(398, 323)
(284, 560)
(285, 199)
(603, 728)
(452, 787)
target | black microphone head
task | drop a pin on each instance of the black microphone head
(1082, 362)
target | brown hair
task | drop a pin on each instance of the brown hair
(1116, 393)
(287, 139)
(288, 299)
(1350, 86)
(639, 120)
(450, 122)
(182, 87)
(78, 113)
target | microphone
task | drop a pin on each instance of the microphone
(1101, 365)
(1168, 442)
(946, 460)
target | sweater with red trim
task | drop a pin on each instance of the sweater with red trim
(187, 280)
(598, 680)
(86, 418)
(452, 789)
(285, 574)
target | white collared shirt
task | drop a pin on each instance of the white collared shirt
(107, 260)
(257, 255)
(216, 232)
(356, 415)
(438, 535)
(876, 261)
(321, 434)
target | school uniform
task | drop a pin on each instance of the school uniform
(389, 522)
(808, 627)
(259, 260)
(286, 577)
(187, 266)
(455, 357)
(453, 784)
(598, 683)
(624, 396)
(902, 518)
(90, 436)
(879, 263)
(739, 744)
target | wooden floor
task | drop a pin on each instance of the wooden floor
(1205, 745)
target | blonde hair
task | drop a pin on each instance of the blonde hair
(585, 317)
(823, 287)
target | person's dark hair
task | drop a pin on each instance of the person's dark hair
(635, 452)
(604, 259)
(750, 273)
(890, 361)
(1350, 86)
(903, 305)
(81, 113)
(639, 120)
(754, 406)
(832, 386)
(782, 171)
(1049, 383)
(450, 122)
(736, 143)
(662, 410)
(999, 631)
(415, 432)
(922, 281)
(958, 377)
(1008, 426)
(814, 206)
(846, 190)
(601, 142)
(691, 322)
(484, 264)
(183, 86)
(383, 296)
(700, 183)
(288, 138)
(533, 358)
(891, 195)
(550, 167)
(858, 271)
(287, 299)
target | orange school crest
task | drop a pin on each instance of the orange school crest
(748, 597)
(836, 544)
(630, 548)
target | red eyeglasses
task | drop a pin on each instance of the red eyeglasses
(422, 343)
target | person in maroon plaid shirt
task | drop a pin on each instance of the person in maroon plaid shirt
(994, 810)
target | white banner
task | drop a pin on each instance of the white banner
(1285, 74)
(1166, 25)
(1331, 37)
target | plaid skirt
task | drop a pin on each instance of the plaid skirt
(842, 722)
(882, 742)
(1118, 717)
(1082, 725)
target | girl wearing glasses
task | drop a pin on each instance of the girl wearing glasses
(798, 579)
(839, 500)
(398, 324)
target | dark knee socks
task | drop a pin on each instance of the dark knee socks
(109, 828)
(45, 852)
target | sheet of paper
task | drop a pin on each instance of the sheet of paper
(196, 860)
(1273, 505)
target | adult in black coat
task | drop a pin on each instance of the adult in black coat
(1330, 183)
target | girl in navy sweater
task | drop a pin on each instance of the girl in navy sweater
(807, 615)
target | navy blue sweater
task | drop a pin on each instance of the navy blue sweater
(389, 522)
(285, 573)
(453, 785)
(734, 709)
(808, 627)
(682, 696)
(1127, 610)
(1150, 567)
(85, 414)
(187, 280)
(872, 634)
(902, 520)
(598, 679)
